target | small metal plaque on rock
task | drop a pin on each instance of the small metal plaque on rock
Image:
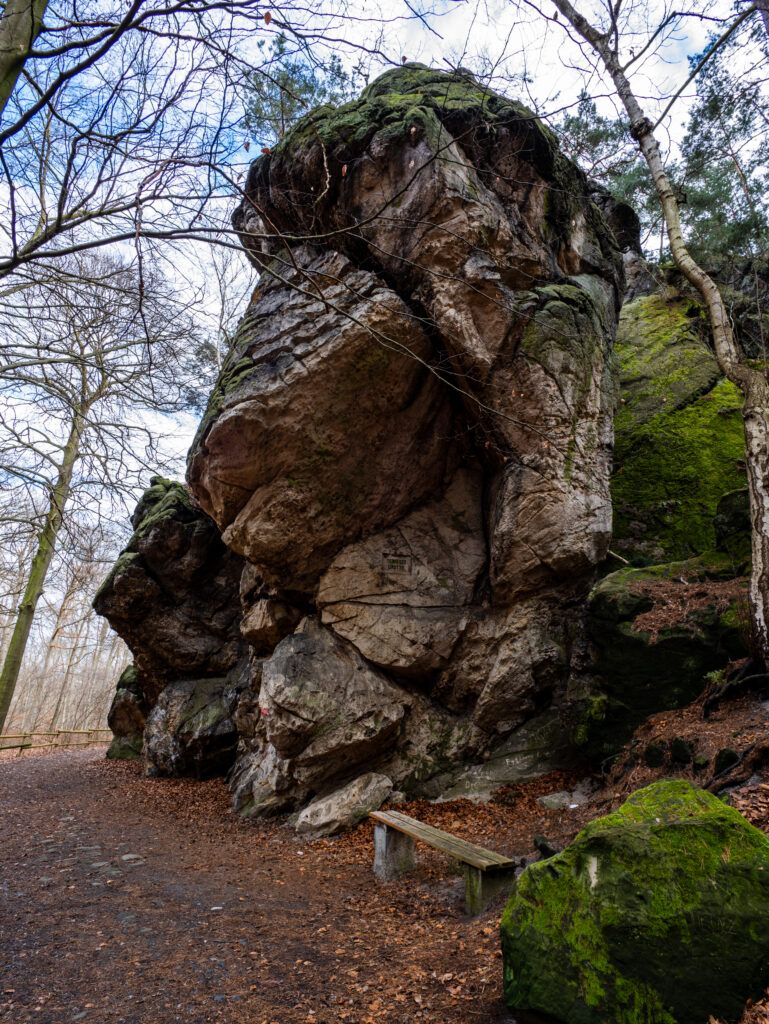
(397, 563)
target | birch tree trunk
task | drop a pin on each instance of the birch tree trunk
(41, 563)
(751, 381)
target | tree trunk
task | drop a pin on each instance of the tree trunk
(756, 413)
(50, 647)
(39, 570)
(20, 26)
(73, 655)
(752, 382)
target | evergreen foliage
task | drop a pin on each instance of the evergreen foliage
(290, 83)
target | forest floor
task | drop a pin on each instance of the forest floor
(127, 900)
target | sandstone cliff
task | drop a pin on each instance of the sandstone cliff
(405, 460)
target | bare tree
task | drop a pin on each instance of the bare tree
(127, 122)
(20, 25)
(91, 350)
(71, 661)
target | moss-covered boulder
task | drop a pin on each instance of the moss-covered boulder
(657, 632)
(679, 442)
(125, 748)
(656, 914)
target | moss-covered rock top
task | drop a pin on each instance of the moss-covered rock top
(308, 185)
(657, 913)
(679, 435)
(162, 501)
(409, 97)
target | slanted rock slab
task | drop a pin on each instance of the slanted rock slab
(190, 731)
(656, 914)
(345, 807)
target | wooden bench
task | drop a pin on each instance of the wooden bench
(486, 873)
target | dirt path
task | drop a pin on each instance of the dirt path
(130, 900)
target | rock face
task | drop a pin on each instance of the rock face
(191, 729)
(455, 200)
(679, 435)
(657, 912)
(325, 715)
(172, 596)
(404, 596)
(403, 469)
(310, 414)
(409, 442)
(678, 612)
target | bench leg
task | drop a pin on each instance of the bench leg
(393, 852)
(482, 886)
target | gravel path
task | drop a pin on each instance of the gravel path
(132, 901)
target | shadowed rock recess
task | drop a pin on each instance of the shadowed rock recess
(405, 459)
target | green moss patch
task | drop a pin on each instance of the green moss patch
(679, 433)
(656, 914)
(125, 748)
(302, 185)
(162, 501)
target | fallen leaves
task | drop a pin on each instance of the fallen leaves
(295, 940)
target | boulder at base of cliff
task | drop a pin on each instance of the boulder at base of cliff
(657, 633)
(658, 912)
(191, 731)
(127, 717)
(346, 807)
(326, 715)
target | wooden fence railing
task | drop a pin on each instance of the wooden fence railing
(22, 741)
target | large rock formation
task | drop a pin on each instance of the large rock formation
(408, 448)
(658, 912)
